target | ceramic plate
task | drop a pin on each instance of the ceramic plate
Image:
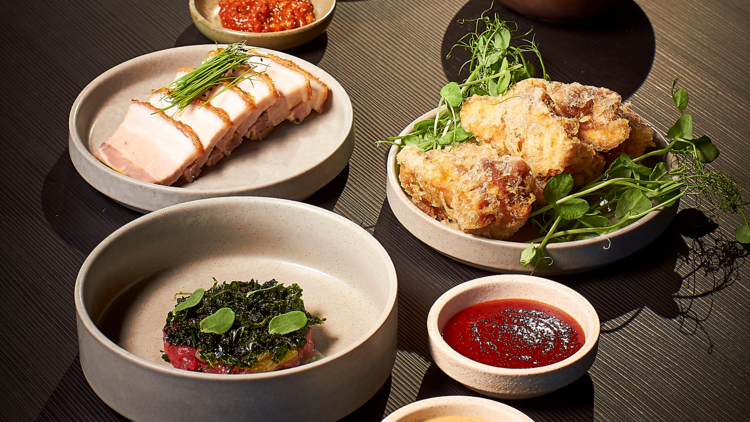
(293, 162)
(127, 285)
(436, 407)
(503, 255)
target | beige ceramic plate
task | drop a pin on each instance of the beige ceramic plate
(205, 14)
(457, 405)
(503, 255)
(127, 285)
(293, 162)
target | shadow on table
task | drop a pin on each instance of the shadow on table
(312, 52)
(82, 216)
(614, 50)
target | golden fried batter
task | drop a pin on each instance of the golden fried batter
(641, 137)
(554, 127)
(470, 188)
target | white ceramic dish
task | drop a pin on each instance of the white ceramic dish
(508, 383)
(205, 14)
(293, 162)
(127, 285)
(457, 405)
(503, 255)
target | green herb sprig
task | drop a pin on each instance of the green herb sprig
(212, 72)
(495, 65)
(633, 190)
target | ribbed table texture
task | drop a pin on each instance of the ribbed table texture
(675, 343)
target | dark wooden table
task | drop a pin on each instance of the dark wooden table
(675, 341)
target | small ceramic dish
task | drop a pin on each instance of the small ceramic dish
(506, 383)
(127, 285)
(503, 255)
(293, 162)
(205, 14)
(457, 406)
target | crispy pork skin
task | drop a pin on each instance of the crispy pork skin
(470, 188)
(150, 146)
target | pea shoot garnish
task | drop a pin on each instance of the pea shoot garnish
(634, 190)
(495, 65)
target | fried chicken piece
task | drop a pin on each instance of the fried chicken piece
(598, 111)
(641, 137)
(556, 128)
(470, 188)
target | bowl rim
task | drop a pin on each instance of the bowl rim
(393, 182)
(278, 34)
(76, 140)
(434, 402)
(433, 331)
(95, 332)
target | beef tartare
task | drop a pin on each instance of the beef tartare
(240, 328)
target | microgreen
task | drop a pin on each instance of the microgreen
(219, 322)
(287, 323)
(191, 301)
(634, 190)
(495, 65)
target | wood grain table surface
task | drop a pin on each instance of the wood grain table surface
(675, 341)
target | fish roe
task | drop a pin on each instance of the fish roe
(514, 333)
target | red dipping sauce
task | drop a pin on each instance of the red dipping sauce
(265, 15)
(514, 333)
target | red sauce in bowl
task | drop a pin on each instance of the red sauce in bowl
(265, 15)
(514, 333)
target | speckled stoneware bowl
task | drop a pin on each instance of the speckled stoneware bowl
(205, 14)
(503, 255)
(508, 383)
(127, 285)
(293, 162)
(457, 405)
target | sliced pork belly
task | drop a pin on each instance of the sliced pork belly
(293, 86)
(319, 93)
(208, 122)
(150, 146)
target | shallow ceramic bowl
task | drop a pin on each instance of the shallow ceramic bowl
(293, 162)
(503, 255)
(455, 406)
(205, 14)
(127, 285)
(508, 383)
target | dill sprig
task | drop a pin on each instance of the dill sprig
(212, 72)
(495, 65)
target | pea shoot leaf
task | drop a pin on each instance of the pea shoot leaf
(681, 98)
(502, 86)
(492, 88)
(596, 221)
(410, 140)
(191, 301)
(219, 322)
(423, 125)
(452, 94)
(493, 58)
(573, 209)
(683, 128)
(288, 322)
(502, 38)
(632, 202)
(659, 172)
(558, 187)
(529, 254)
(742, 234)
(707, 151)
